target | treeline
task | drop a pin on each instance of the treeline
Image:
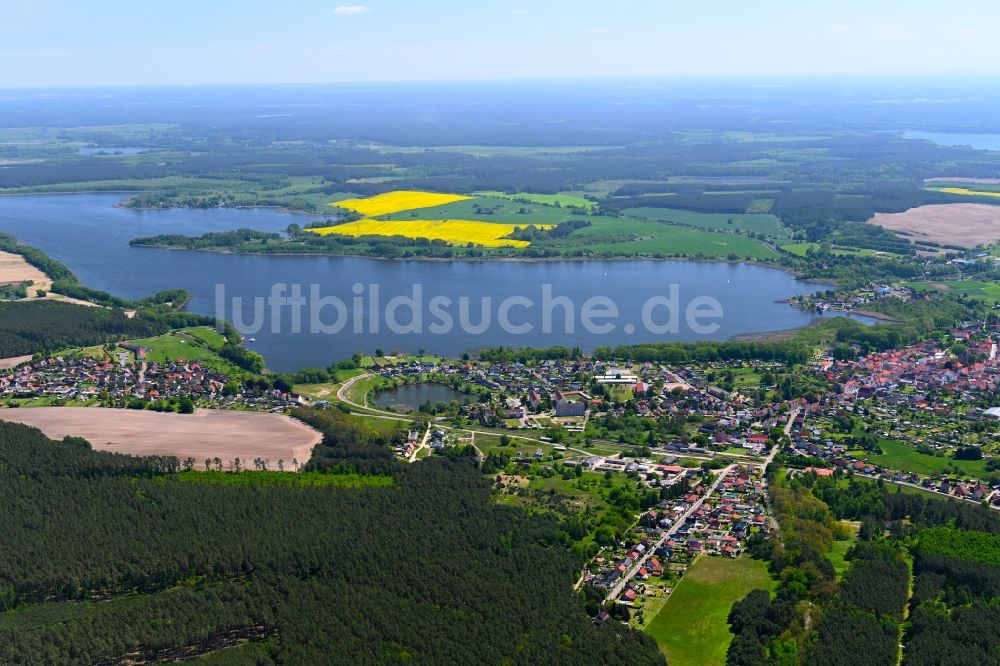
(426, 570)
(533, 234)
(350, 445)
(661, 352)
(788, 352)
(214, 239)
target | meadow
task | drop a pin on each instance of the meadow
(504, 211)
(692, 627)
(900, 456)
(455, 232)
(978, 290)
(561, 200)
(800, 249)
(634, 237)
(192, 344)
(766, 224)
(394, 202)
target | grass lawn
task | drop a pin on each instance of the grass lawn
(191, 344)
(838, 550)
(691, 630)
(900, 456)
(207, 335)
(620, 393)
(361, 390)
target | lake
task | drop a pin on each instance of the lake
(414, 395)
(977, 141)
(90, 235)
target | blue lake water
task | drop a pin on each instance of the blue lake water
(87, 233)
(414, 395)
(977, 141)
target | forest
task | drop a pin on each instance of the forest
(952, 547)
(112, 559)
(29, 327)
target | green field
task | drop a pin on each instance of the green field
(648, 238)
(838, 550)
(692, 630)
(980, 291)
(504, 211)
(561, 200)
(800, 249)
(626, 236)
(899, 456)
(191, 344)
(769, 225)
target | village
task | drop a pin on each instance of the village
(714, 518)
(129, 380)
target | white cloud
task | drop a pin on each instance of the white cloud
(351, 10)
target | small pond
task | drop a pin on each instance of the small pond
(414, 395)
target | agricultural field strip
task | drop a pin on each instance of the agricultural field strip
(400, 200)
(457, 232)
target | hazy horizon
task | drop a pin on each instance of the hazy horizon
(57, 43)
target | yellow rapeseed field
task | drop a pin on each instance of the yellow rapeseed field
(454, 232)
(963, 190)
(394, 202)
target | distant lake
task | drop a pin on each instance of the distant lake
(414, 395)
(977, 141)
(87, 233)
(110, 150)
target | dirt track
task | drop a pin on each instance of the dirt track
(204, 434)
(963, 224)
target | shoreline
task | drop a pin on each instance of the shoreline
(280, 209)
(776, 336)
(526, 260)
(292, 211)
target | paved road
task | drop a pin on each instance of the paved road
(616, 591)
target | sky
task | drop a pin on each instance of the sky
(117, 42)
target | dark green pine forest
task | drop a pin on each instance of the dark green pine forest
(110, 559)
